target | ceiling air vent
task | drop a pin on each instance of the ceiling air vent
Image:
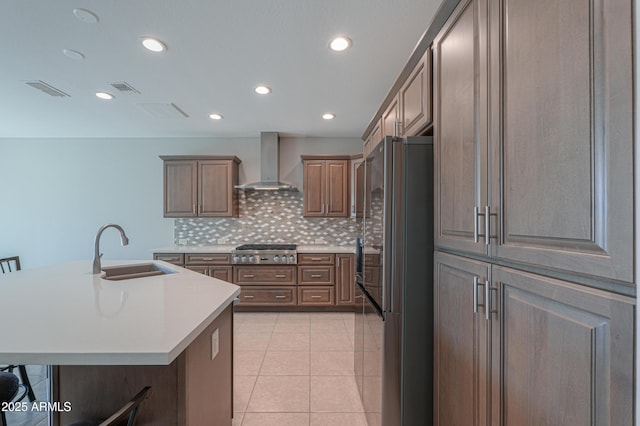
(164, 110)
(46, 88)
(124, 87)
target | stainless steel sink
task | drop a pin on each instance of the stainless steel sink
(140, 270)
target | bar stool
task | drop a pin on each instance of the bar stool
(127, 412)
(10, 264)
(9, 391)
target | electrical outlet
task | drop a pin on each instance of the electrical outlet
(215, 344)
(183, 241)
(222, 241)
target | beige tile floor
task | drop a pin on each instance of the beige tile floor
(295, 369)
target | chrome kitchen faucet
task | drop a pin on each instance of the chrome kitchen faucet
(97, 267)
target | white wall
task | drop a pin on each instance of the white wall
(56, 193)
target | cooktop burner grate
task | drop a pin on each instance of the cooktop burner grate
(267, 247)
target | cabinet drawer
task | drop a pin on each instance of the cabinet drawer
(316, 259)
(321, 295)
(316, 275)
(175, 258)
(265, 275)
(204, 270)
(267, 296)
(207, 258)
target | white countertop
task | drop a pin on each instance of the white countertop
(65, 315)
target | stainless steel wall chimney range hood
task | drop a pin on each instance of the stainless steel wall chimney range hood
(269, 162)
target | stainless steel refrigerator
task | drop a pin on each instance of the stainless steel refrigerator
(394, 285)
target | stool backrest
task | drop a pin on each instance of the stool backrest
(10, 264)
(128, 411)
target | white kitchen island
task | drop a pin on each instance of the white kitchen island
(108, 339)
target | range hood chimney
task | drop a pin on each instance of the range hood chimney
(269, 162)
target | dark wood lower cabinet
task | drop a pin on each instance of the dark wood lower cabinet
(460, 343)
(565, 352)
(547, 352)
(345, 277)
(319, 280)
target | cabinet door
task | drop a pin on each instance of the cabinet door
(358, 187)
(345, 279)
(460, 342)
(565, 353)
(216, 188)
(564, 193)
(460, 143)
(390, 120)
(337, 188)
(224, 273)
(314, 187)
(415, 96)
(180, 188)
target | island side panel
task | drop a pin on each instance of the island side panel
(194, 390)
(96, 392)
(209, 382)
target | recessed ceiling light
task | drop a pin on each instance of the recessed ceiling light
(86, 16)
(153, 44)
(215, 116)
(339, 44)
(104, 95)
(328, 116)
(73, 54)
(263, 90)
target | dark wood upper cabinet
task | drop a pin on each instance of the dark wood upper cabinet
(326, 186)
(415, 98)
(200, 186)
(460, 145)
(533, 134)
(561, 126)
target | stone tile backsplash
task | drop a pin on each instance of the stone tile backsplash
(267, 217)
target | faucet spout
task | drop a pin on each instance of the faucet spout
(97, 266)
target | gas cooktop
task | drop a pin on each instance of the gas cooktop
(265, 254)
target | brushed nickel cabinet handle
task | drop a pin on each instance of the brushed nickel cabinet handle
(281, 297)
(316, 297)
(475, 224)
(248, 297)
(281, 276)
(316, 259)
(487, 300)
(194, 208)
(248, 276)
(487, 225)
(316, 276)
(476, 303)
(475, 295)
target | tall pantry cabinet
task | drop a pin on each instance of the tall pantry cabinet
(533, 139)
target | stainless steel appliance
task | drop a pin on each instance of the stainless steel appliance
(265, 254)
(394, 274)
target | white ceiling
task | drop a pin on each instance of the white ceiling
(218, 51)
